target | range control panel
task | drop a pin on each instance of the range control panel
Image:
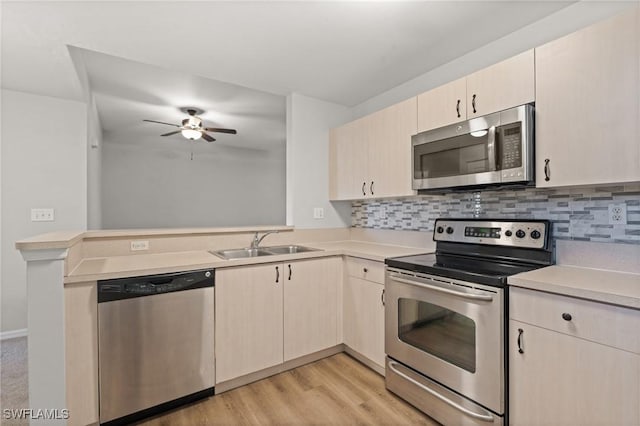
(525, 234)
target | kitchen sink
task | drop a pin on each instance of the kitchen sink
(242, 253)
(289, 249)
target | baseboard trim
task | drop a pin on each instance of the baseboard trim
(364, 360)
(12, 334)
(277, 369)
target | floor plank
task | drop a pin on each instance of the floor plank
(333, 391)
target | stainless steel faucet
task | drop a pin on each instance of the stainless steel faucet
(256, 241)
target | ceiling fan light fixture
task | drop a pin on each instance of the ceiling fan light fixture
(191, 134)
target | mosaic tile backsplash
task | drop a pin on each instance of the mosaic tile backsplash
(580, 213)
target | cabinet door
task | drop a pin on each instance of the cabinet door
(504, 85)
(348, 161)
(389, 150)
(248, 319)
(587, 102)
(444, 105)
(311, 305)
(564, 380)
(364, 318)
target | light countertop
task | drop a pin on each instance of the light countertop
(100, 268)
(617, 288)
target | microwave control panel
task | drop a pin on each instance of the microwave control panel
(511, 146)
(525, 234)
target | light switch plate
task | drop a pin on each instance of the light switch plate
(318, 213)
(42, 215)
(139, 245)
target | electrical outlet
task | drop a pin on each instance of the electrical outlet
(139, 245)
(318, 213)
(618, 214)
(42, 215)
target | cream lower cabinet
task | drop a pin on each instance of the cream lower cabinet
(268, 314)
(248, 319)
(587, 105)
(311, 305)
(558, 378)
(364, 309)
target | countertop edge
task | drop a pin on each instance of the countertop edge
(597, 295)
(218, 263)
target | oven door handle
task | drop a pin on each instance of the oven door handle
(483, 297)
(482, 417)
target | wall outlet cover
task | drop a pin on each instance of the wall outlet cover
(42, 215)
(139, 245)
(618, 214)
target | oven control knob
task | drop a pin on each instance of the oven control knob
(535, 234)
(449, 230)
(520, 233)
(440, 229)
(508, 233)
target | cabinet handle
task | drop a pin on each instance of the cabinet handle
(458, 108)
(566, 316)
(365, 270)
(547, 170)
(520, 350)
(364, 185)
(473, 103)
(371, 187)
(277, 274)
(289, 272)
(382, 297)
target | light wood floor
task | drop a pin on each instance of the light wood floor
(334, 391)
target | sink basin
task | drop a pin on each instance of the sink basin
(242, 253)
(289, 249)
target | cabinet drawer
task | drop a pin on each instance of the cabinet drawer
(365, 269)
(598, 322)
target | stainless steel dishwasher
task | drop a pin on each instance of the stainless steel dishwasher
(155, 343)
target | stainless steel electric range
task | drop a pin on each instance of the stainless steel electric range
(445, 317)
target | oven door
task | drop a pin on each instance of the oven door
(450, 331)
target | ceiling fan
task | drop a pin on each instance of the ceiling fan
(191, 127)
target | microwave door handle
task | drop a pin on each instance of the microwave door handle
(484, 297)
(492, 152)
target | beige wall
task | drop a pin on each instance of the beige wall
(44, 164)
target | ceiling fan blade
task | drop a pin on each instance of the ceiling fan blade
(213, 129)
(206, 137)
(171, 133)
(161, 122)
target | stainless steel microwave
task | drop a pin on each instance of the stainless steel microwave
(496, 149)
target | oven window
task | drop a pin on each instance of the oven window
(438, 331)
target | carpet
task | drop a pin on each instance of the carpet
(13, 378)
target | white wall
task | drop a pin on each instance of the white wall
(43, 165)
(154, 184)
(308, 124)
(94, 167)
(565, 21)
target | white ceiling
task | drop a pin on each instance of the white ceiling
(344, 52)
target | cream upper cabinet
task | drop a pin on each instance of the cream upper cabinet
(444, 105)
(364, 309)
(501, 86)
(371, 157)
(248, 319)
(572, 362)
(389, 150)
(348, 161)
(311, 305)
(505, 85)
(587, 105)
